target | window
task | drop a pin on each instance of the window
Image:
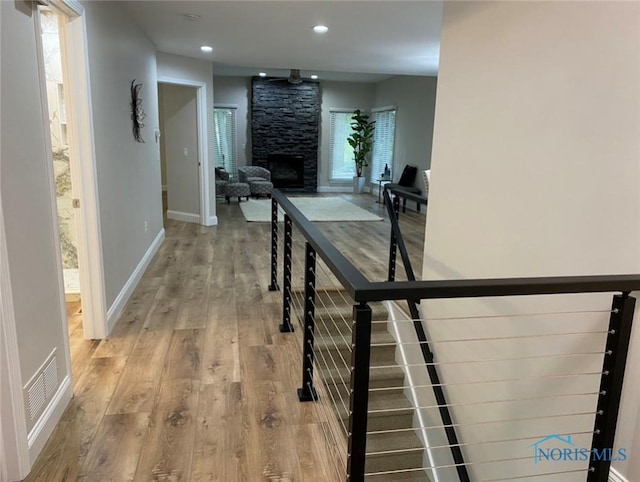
(341, 165)
(224, 124)
(383, 141)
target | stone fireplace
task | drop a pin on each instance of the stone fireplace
(285, 126)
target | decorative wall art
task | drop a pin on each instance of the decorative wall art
(137, 111)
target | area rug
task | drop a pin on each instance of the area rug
(314, 208)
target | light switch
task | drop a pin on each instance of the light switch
(186, 152)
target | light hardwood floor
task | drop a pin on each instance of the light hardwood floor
(196, 382)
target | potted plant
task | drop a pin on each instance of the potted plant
(361, 141)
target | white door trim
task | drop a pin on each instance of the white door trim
(203, 145)
(84, 171)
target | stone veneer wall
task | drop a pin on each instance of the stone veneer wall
(285, 119)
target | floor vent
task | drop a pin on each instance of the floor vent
(42, 387)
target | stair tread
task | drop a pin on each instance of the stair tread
(340, 304)
(392, 376)
(409, 476)
(383, 401)
(380, 442)
(387, 400)
(333, 340)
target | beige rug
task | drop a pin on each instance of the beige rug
(314, 208)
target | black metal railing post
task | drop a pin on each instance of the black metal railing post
(359, 399)
(615, 359)
(287, 326)
(307, 392)
(274, 246)
(393, 244)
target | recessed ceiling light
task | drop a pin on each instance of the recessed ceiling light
(191, 16)
(262, 74)
(314, 76)
(206, 49)
(320, 29)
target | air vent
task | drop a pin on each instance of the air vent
(36, 397)
(50, 376)
(42, 387)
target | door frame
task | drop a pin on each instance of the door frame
(83, 170)
(203, 146)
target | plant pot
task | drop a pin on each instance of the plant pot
(358, 185)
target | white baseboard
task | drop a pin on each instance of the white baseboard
(345, 188)
(118, 305)
(212, 221)
(186, 217)
(615, 476)
(47, 422)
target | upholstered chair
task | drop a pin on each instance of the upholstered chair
(258, 178)
(253, 173)
(222, 179)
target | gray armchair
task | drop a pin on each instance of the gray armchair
(249, 174)
(222, 179)
(258, 178)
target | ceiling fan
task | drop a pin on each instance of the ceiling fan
(294, 77)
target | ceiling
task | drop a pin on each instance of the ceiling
(367, 40)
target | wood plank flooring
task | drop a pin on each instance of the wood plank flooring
(196, 382)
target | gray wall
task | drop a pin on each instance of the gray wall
(128, 172)
(235, 91)
(179, 128)
(129, 186)
(415, 98)
(26, 198)
(177, 68)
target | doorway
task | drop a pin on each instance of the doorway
(180, 153)
(52, 24)
(63, 66)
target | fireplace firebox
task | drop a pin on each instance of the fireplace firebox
(287, 171)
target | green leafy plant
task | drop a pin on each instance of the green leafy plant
(361, 139)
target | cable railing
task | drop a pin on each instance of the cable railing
(448, 395)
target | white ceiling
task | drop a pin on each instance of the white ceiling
(376, 38)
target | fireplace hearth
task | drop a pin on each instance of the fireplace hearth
(287, 171)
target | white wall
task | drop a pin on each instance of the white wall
(415, 99)
(350, 95)
(179, 126)
(184, 69)
(128, 172)
(535, 171)
(236, 91)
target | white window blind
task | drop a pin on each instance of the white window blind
(341, 165)
(383, 136)
(224, 124)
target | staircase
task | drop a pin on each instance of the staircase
(332, 359)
